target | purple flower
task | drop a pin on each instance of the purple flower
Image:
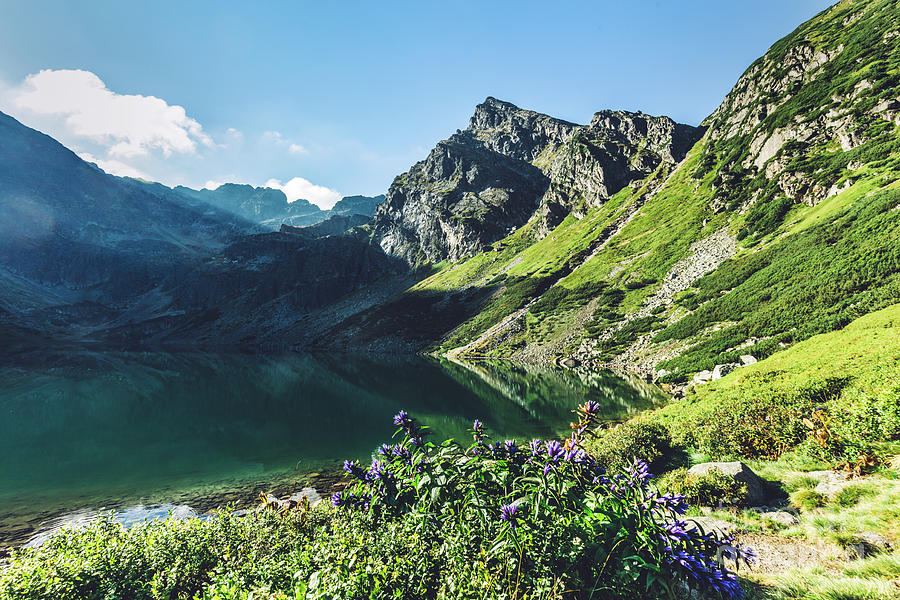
(737, 553)
(555, 451)
(671, 502)
(590, 407)
(508, 514)
(337, 499)
(402, 419)
(510, 447)
(386, 450)
(675, 532)
(354, 470)
(378, 471)
(478, 426)
(535, 446)
(639, 471)
(688, 562)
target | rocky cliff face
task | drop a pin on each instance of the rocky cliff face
(820, 93)
(456, 202)
(511, 165)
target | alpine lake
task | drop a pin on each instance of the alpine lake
(142, 435)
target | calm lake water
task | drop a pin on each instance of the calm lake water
(94, 430)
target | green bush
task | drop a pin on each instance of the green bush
(807, 500)
(424, 520)
(852, 494)
(651, 442)
(705, 489)
(762, 423)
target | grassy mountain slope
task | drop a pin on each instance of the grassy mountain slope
(782, 222)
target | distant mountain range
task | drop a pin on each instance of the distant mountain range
(631, 241)
(271, 209)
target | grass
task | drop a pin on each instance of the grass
(758, 411)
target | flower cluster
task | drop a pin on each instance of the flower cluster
(542, 482)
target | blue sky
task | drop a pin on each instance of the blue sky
(346, 95)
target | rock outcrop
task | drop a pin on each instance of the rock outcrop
(511, 165)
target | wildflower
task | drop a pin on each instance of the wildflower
(510, 447)
(535, 446)
(672, 502)
(508, 514)
(589, 408)
(737, 552)
(639, 471)
(378, 471)
(354, 470)
(337, 499)
(402, 419)
(555, 451)
(386, 450)
(675, 531)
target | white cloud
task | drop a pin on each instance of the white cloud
(212, 185)
(126, 125)
(301, 188)
(114, 167)
(278, 139)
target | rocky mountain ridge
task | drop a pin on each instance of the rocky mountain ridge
(665, 248)
(510, 165)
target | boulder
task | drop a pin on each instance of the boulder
(311, 495)
(710, 525)
(830, 482)
(702, 377)
(756, 490)
(782, 517)
(722, 370)
(867, 543)
(748, 359)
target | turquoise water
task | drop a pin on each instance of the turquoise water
(112, 429)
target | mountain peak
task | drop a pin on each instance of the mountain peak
(494, 113)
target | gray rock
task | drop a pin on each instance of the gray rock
(311, 495)
(830, 482)
(756, 492)
(875, 541)
(748, 359)
(511, 164)
(781, 517)
(711, 525)
(722, 370)
(703, 377)
(866, 543)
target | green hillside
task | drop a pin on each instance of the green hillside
(780, 223)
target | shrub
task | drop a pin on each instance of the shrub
(760, 422)
(547, 516)
(650, 442)
(852, 494)
(423, 520)
(807, 500)
(706, 489)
